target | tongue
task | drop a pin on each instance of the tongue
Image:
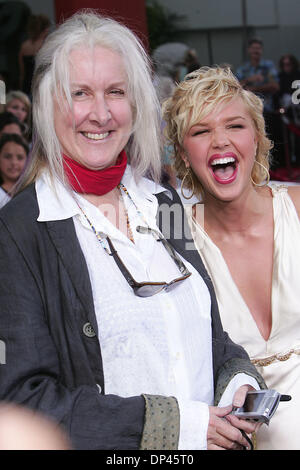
(224, 173)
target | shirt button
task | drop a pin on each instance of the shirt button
(88, 330)
(99, 388)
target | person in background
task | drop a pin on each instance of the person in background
(23, 429)
(10, 124)
(288, 72)
(247, 232)
(38, 29)
(115, 336)
(260, 76)
(13, 155)
(19, 104)
(172, 61)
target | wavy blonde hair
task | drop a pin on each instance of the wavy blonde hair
(197, 96)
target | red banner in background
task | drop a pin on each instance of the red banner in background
(131, 13)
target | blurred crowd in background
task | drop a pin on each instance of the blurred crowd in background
(276, 83)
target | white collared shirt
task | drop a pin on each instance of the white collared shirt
(156, 345)
(4, 197)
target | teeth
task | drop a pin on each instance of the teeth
(222, 161)
(95, 136)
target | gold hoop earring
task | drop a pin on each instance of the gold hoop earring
(267, 173)
(187, 174)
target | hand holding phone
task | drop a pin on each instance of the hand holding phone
(260, 405)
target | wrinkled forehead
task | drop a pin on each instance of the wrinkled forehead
(96, 59)
(89, 66)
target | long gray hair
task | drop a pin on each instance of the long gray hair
(51, 80)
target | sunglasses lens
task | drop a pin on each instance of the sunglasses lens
(148, 290)
(175, 283)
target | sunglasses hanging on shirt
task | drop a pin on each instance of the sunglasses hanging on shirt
(142, 289)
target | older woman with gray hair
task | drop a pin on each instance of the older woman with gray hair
(110, 328)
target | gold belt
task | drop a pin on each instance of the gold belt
(275, 357)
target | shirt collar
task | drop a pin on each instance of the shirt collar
(144, 188)
(57, 202)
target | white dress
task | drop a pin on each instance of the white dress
(278, 358)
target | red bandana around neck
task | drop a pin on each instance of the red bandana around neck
(86, 181)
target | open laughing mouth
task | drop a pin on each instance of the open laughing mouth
(94, 136)
(224, 167)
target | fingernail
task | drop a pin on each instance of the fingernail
(238, 405)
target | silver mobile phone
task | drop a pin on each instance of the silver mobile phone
(260, 405)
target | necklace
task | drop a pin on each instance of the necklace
(100, 235)
(129, 231)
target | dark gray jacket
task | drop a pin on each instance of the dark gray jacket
(53, 356)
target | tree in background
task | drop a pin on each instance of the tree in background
(162, 24)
